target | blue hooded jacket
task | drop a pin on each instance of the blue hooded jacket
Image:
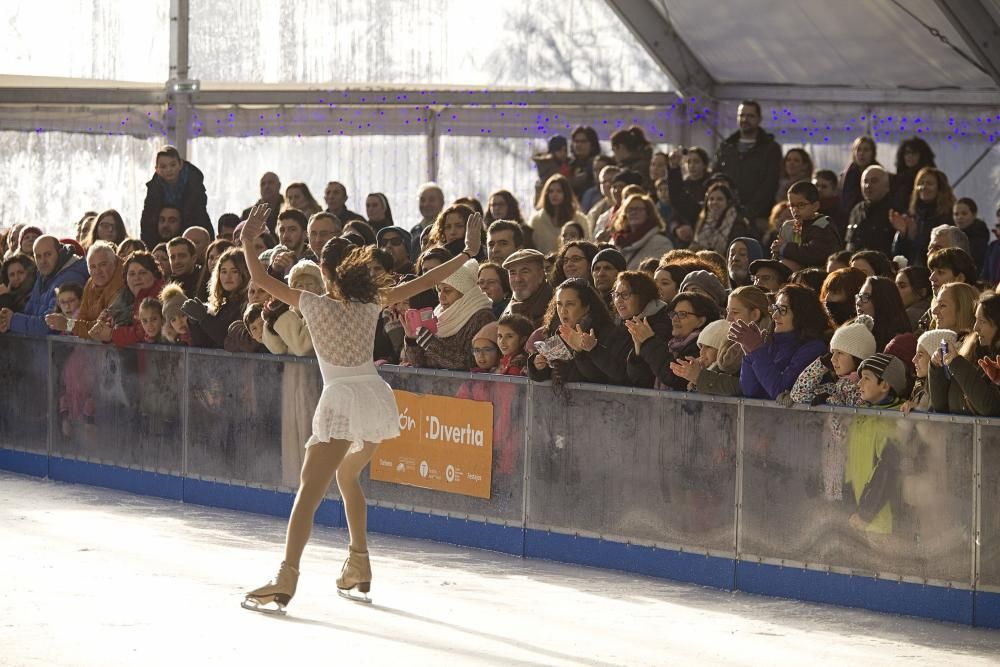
(70, 269)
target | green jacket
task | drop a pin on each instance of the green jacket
(967, 392)
(872, 471)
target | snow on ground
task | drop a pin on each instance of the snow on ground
(99, 577)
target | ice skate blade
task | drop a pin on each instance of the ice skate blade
(354, 597)
(270, 608)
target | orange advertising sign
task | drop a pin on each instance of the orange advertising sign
(445, 444)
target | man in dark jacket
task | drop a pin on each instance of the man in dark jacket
(751, 158)
(868, 226)
(335, 196)
(179, 184)
(56, 265)
(270, 194)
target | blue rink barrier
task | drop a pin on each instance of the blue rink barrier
(733, 494)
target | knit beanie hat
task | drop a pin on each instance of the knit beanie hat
(888, 368)
(754, 250)
(305, 267)
(466, 278)
(856, 338)
(930, 341)
(488, 332)
(612, 256)
(714, 334)
(707, 283)
(405, 235)
(172, 297)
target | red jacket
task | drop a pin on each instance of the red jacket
(131, 334)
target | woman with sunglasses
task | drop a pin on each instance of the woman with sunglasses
(802, 330)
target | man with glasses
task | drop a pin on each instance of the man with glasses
(396, 241)
(809, 238)
(752, 159)
(769, 275)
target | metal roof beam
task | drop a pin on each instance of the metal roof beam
(975, 23)
(658, 36)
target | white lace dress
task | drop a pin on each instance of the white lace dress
(356, 404)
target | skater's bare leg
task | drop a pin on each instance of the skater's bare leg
(318, 470)
(355, 507)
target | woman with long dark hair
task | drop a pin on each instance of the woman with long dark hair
(772, 363)
(556, 206)
(357, 409)
(930, 206)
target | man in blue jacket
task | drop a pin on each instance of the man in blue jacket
(56, 265)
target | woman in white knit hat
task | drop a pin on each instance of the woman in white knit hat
(927, 345)
(833, 378)
(463, 310)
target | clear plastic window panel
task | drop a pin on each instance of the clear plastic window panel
(118, 406)
(989, 502)
(873, 493)
(577, 44)
(24, 367)
(647, 467)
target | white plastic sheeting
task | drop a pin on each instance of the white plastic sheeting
(86, 39)
(575, 44)
(51, 178)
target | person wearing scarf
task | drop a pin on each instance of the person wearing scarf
(689, 313)
(719, 223)
(15, 298)
(639, 231)
(458, 322)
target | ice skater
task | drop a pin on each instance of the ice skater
(357, 409)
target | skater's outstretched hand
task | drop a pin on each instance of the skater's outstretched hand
(255, 222)
(474, 233)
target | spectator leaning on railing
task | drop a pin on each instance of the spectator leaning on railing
(105, 283)
(56, 265)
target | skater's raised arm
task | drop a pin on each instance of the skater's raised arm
(252, 228)
(473, 239)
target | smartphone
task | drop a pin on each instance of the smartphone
(424, 317)
(944, 353)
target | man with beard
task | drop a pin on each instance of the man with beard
(742, 251)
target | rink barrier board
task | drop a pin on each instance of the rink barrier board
(141, 482)
(705, 570)
(452, 530)
(959, 604)
(986, 611)
(25, 463)
(895, 597)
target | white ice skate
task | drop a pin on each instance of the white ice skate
(275, 596)
(356, 574)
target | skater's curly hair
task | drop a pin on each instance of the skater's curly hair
(348, 268)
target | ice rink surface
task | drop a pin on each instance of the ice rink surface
(98, 577)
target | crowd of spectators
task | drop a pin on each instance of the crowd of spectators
(753, 273)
